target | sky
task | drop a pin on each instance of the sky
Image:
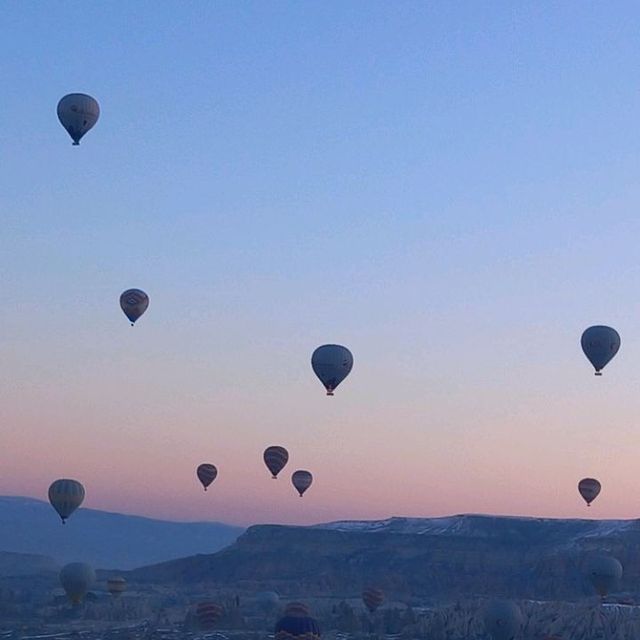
(450, 189)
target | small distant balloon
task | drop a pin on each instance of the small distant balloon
(66, 496)
(589, 488)
(134, 303)
(116, 586)
(297, 623)
(604, 573)
(208, 613)
(332, 363)
(206, 473)
(276, 459)
(76, 579)
(373, 598)
(502, 619)
(301, 480)
(77, 113)
(600, 344)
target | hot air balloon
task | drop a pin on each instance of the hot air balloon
(332, 364)
(604, 573)
(208, 613)
(116, 586)
(77, 113)
(589, 488)
(502, 619)
(65, 497)
(297, 623)
(301, 480)
(268, 599)
(206, 473)
(76, 579)
(275, 458)
(134, 303)
(372, 598)
(600, 344)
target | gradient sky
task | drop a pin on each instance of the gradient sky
(451, 189)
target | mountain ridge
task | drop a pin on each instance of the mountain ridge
(104, 539)
(465, 555)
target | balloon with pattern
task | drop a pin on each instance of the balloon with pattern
(301, 480)
(589, 489)
(208, 614)
(134, 302)
(78, 113)
(297, 623)
(116, 586)
(65, 496)
(276, 459)
(373, 598)
(206, 473)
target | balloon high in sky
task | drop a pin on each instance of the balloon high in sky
(134, 303)
(332, 363)
(276, 458)
(600, 344)
(78, 113)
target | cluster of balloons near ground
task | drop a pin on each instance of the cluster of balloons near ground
(503, 618)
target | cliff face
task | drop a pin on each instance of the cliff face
(432, 558)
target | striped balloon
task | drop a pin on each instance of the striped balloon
(296, 609)
(116, 586)
(206, 473)
(372, 598)
(297, 623)
(275, 458)
(134, 303)
(208, 613)
(78, 113)
(301, 480)
(65, 497)
(589, 488)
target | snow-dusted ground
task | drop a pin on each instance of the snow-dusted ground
(483, 526)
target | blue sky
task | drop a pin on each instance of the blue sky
(450, 189)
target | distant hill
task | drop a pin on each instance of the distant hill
(105, 540)
(437, 558)
(14, 565)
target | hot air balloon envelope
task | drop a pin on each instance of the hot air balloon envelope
(134, 303)
(77, 113)
(332, 363)
(275, 458)
(206, 473)
(76, 579)
(502, 619)
(604, 573)
(373, 598)
(66, 496)
(600, 344)
(589, 488)
(301, 480)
